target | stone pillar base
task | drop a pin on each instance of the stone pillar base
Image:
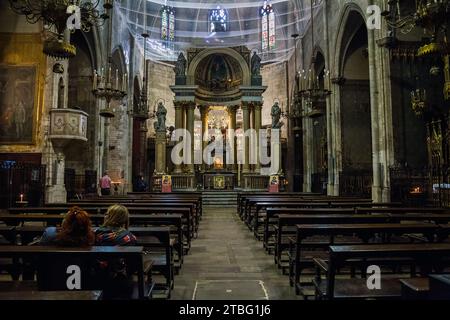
(56, 194)
(160, 153)
(376, 194)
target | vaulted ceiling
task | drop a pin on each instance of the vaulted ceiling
(191, 24)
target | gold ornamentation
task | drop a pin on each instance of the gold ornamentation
(59, 49)
(219, 182)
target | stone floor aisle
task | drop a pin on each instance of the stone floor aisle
(226, 262)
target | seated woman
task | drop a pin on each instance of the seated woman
(75, 231)
(116, 278)
(114, 231)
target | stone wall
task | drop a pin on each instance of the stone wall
(161, 77)
(274, 77)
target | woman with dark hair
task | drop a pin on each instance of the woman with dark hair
(75, 231)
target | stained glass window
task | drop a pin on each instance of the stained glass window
(218, 20)
(168, 25)
(268, 28)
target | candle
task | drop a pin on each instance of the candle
(21, 197)
(310, 80)
(116, 80)
(329, 81)
(95, 80)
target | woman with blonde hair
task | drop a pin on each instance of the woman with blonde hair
(114, 231)
(114, 274)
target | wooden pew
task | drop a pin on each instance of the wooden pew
(50, 295)
(402, 210)
(427, 256)
(137, 216)
(173, 220)
(7, 232)
(252, 211)
(324, 200)
(286, 228)
(356, 232)
(193, 205)
(195, 196)
(150, 238)
(185, 211)
(48, 261)
(434, 287)
(439, 287)
(286, 224)
(271, 217)
(242, 197)
(154, 238)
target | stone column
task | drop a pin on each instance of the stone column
(57, 192)
(160, 153)
(335, 156)
(232, 112)
(204, 115)
(143, 152)
(105, 146)
(246, 126)
(374, 102)
(178, 125)
(258, 123)
(190, 108)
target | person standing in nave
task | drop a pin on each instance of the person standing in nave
(105, 184)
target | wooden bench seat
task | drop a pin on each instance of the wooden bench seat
(51, 295)
(428, 256)
(174, 220)
(415, 288)
(51, 263)
(334, 232)
(356, 289)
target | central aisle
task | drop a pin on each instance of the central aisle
(226, 262)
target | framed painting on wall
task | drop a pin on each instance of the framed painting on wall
(17, 104)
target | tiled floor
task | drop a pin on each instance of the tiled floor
(227, 263)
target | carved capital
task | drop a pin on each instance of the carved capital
(257, 105)
(245, 105)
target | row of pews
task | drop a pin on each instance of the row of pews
(334, 247)
(165, 226)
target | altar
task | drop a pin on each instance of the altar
(219, 181)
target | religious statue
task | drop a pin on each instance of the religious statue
(256, 65)
(161, 113)
(276, 116)
(180, 66)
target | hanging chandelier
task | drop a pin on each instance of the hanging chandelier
(296, 107)
(312, 89)
(108, 85)
(56, 16)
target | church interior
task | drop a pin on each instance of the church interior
(224, 150)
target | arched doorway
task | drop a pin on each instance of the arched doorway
(357, 167)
